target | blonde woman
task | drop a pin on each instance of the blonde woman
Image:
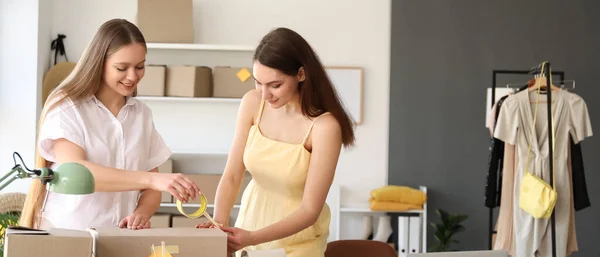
(92, 118)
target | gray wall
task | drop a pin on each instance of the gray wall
(443, 54)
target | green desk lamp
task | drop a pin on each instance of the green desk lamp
(68, 178)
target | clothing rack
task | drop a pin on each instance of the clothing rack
(547, 74)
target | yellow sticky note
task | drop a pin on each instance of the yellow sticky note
(243, 74)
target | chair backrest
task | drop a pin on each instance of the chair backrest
(359, 248)
(462, 254)
(54, 76)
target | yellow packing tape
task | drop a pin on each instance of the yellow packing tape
(169, 249)
(198, 213)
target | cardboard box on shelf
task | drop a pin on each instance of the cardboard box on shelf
(185, 222)
(231, 82)
(160, 221)
(166, 167)
(23, 242)
(208, 185)
(166, 21)
(189, 81)
(153, 82)
(116, 242)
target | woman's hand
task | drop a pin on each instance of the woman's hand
(238, 238)
(209, 225)
(135, 221)
(176, 184)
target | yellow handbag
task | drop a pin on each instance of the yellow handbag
(537, 197)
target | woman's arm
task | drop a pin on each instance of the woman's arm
(148, 203)
(229, 185)
(149, 200)
(326, 147)
(114, 180)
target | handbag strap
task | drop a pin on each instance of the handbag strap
(535, 134)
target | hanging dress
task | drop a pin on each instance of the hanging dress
(532, 237)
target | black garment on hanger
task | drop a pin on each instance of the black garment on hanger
(581, 198)
(493, 186)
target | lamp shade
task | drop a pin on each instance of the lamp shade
(72, 178)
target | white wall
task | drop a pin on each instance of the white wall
(24, 48)
(342, 33)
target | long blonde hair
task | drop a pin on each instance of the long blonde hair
(83, 82)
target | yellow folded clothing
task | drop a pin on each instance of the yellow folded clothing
(399, 194)
(393, 206)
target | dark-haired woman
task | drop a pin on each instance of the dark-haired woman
(289, 135)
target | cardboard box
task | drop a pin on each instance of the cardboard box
(166, 21)
(160, 221)
(116, 242)
(153, 82)
(166, 167)
(189, 81)
(208, 184)
(185, 222)
(230, 82)
(22, 242)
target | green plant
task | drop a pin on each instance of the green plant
(6, 219)
(444, 231)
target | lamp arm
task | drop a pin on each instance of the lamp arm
(69, 178)
(15, 173)
(18, 172)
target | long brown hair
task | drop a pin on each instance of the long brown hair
(285, 50)
(83, 82)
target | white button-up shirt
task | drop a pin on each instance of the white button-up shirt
(128, 141)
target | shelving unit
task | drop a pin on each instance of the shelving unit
(198, 129)
(408, 241)
(207, 47)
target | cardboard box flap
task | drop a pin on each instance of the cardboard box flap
(54, 242)
(55, 232)
(25, 231)
(159, 232)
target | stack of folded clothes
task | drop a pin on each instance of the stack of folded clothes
(397, 198)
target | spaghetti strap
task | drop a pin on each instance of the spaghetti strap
(260, 111)
(311, 126)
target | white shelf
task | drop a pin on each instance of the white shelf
(189, 99)
(206, 47)
(193, 205)
(198, 153)
(365, 210)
